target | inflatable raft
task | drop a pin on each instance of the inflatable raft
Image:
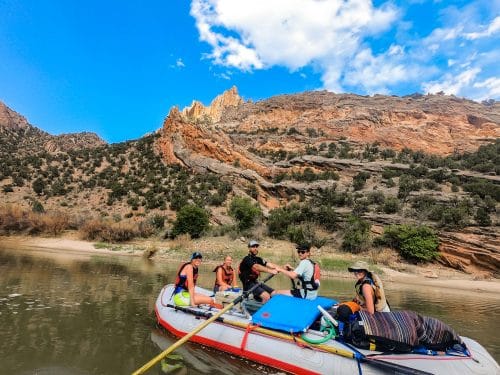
(273, 338)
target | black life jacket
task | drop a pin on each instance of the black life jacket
(313, 283)
(248, 275)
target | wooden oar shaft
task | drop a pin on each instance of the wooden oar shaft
(177, 344)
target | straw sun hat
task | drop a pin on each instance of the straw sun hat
(360, 265)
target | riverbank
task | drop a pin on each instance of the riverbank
(333, 264)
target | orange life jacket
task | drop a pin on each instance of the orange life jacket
(227, 275)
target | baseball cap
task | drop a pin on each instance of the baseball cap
(303, 247)
(253, 243)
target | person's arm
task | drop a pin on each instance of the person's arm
(220, 279)
(368, 294)
(271, 265)
(261, 268)
(234, 284)
(288, 272)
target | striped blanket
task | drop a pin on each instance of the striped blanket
(409, 328)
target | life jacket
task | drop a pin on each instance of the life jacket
(374, 281)
(227, 275)
(313, 283)
(181, 282)
(248, 275)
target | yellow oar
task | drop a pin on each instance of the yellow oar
(177, 344)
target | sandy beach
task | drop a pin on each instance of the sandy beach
(432, 276)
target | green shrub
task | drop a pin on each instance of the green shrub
(391, 205)
(38, 186)
(191, 219)
(304, 233)
(358, 182)
(356, 235)
(482, 217)
(415, 243)
(280, 218)
(244, 212)
(37, 207)
(157, 221)
(407, 184)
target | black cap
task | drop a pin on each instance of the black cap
(303, 247)
(196, 255)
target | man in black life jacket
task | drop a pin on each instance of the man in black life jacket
(304, 284)
(250, 268)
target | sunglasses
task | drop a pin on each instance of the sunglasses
(301, 251)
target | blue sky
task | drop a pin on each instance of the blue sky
(116, 68)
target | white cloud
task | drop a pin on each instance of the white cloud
(490, 30)
(343, 40)
(375, 73)
(179, 63)
(292, 33)
(489, 87)
(451, 84)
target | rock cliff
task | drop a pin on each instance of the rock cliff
(230, 136)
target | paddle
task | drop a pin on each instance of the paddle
(387, 367)
(186, 338)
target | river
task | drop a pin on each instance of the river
(90, 314)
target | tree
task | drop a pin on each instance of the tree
(356, 235)
(244, 212)
(191, 219)
(38, 186)
(416, 243)
(482, 217)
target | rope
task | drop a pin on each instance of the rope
(244, 340)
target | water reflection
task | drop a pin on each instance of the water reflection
(93, 315)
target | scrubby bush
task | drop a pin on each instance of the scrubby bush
(157, 221)
(280, 218)
(407, 184)
(109, 231)
(37, 207)
(358, 181)
(415, 243)
(244, 212)
(304, 233)
(356, 235)
(191, 219)
(482, 217)
(391, 205)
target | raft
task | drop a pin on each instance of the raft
(278, 344)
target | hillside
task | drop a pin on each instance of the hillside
(315, 158)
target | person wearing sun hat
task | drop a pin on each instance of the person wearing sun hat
(185, 282)
(250, 268)
(304, 283)
(370, 293)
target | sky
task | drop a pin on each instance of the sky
(117, 67)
